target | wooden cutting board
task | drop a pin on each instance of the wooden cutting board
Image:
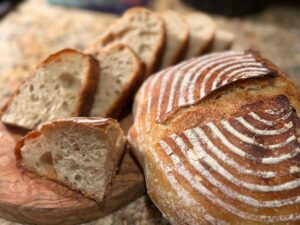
(27, 198)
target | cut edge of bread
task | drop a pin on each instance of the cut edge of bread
(223, 40)
(181, 48)
(124, 96)
(109, 36)
(207, 35)
(98, 124)
(87, 90)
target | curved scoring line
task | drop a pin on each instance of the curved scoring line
(173, 90)
(246, 75)
(206, 65)
(233, 62)
(274, 112)
(181, 192)
(162, 90)
(223, 72)
(164, 85)
(181, 170)
(251, 70)
(271, 160)
(241, 63)
(181, 72)
(193, 158)
(194, 140)
(255, 130)
(227, 126)
(269, 122)
(217, 133)
(238, 151)
(149, 99)
(213, 56)
(183, 86)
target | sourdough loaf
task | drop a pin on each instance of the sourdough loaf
(121, 73)
(217, 137)
(177, 38)
(202, 29)
(62, 86)
(142, 30)
(80, 153)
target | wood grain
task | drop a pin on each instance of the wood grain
(27, 198)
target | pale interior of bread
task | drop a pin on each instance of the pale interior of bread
(201, 29)
(118, 69)
(83, 158)
(36, 157)
(51, 93)
(176, 30)
(222, 41)
(141, 31)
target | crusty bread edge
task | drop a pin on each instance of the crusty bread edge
(87, 92)
(126, 94)
(75, 120)
(89, 88)
(107, 36)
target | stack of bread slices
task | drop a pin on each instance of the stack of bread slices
(68, 95)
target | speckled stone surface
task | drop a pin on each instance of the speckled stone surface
(275, 32)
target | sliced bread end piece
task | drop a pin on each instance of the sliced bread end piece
(62, 86)
(80, 153)
(121, 74)
(143, 31)
(177, 37)
(202, 29)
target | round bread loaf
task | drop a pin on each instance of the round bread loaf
(217, 139)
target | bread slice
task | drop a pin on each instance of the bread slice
(177, 37)
(142, 30)
(62, 86)
(222, 41)
(81, 153)
(121, 74)
(202, 30)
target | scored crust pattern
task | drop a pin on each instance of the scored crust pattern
(189, 82)
(246, 166)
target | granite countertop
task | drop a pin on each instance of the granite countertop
(28, 35)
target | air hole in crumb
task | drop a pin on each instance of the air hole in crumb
(31, 88)
(46, 158)
(58, 158)
(74, 167)
(76, 147)
(56, 87)
(65, 106)
(77, 177)
(67, 79)
(34, 98)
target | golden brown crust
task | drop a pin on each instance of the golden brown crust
(182, 188)
(89, 89)
(20, 144)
